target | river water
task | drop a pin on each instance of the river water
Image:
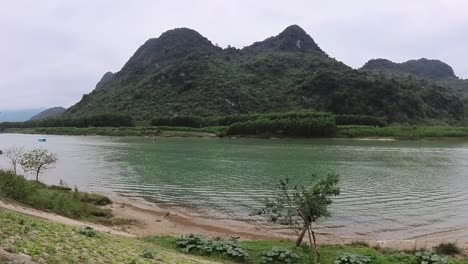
(389, 189)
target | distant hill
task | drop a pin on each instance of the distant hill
(18, 115)
(424, 68)
(51, 112)
(183, 73)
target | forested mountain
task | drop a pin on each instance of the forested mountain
(433, 71)
(51, 112)
(183, 73)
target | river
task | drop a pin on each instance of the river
(389, 189)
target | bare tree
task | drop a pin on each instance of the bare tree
(37, 161)
(14, 155)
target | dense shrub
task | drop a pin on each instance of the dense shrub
(349, 258)
(361, 120)
(280, 255)
(200, 245)
(448, 249)
(148, 253)
(88, 231)
(430, 258)
(302, 127)
(180, 121)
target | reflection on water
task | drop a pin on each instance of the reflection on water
(390, 189)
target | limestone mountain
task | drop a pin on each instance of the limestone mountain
(181, 73)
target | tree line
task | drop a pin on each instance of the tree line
(199, 122)
(101, 120)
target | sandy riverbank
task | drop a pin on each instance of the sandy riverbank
(149, 219)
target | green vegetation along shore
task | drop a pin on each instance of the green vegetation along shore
(351, 131)
(287, 124)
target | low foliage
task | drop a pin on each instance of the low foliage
(349, 258)
(148, 253)
(200, 245)
(448, 249)
(38, 195)
(430, 258)
(280, 255)
(88, 231)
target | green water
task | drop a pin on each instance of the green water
(390, 189)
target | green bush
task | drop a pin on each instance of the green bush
(430, 258)
(88, 231)
(280, 255)
(349, 258)
(200, 245)
(448, 249)
(148, 254)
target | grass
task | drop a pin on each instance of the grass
(328, 253)
(402, 132)
(71, 204)
(53, 243)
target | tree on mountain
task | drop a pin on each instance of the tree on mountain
(37, 161)
(301, 207)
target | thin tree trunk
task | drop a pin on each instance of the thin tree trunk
(311, 246)
(315, 245)
(301, 236)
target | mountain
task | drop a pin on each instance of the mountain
(435, 71)
(183, 73)
(51, 112)
(424, 68)
(18, 115)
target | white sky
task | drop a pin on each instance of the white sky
(53, 51)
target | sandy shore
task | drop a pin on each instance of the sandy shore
(149, 219)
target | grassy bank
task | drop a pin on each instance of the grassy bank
(52, 243)
(59, 200)
(402, 132)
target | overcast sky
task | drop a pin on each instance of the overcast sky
(54, 51)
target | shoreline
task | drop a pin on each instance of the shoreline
(153, 220)
(208, 135)
(149, 219)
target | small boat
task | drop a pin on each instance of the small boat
(41, 139)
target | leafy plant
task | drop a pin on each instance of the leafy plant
(200, 245)
(448, 249)
(430, 258)
(280, 255)
(148, 253)
(349, 258)
(88, 231)
(300, 206)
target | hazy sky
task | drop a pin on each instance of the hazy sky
(54, 51)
